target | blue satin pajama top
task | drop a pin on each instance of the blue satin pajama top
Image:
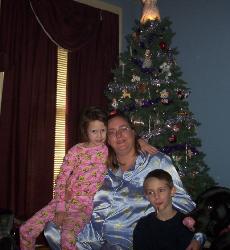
(120, 203)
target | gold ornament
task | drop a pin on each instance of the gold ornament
(125, 94)
(150, 11)
(183, 113)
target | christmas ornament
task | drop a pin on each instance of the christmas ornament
(157, 124)
(147, 63)
(189, 153)
(163, 45)
(176, 128)
(125, 94)
(164, 94)
(172, 138)
(135, 78)
(165, 69)
(153, 133)
(182, 94)
(146, 103)
(139, 102)
(155, 82)
(137, 122)
(183, 113)
(142, 88)
(114, 103)
(149, 11)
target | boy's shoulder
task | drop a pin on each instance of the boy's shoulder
(146, 219)
(147, 223)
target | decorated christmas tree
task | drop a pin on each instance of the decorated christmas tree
(147, 85)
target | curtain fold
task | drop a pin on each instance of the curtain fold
(91, 36)
(8, 48)
(28, 111)
(89, 71)
(68, 23)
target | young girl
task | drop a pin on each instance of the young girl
(82, 173)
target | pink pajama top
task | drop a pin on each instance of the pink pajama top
(82, 173)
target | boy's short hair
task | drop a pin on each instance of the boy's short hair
(161, 175)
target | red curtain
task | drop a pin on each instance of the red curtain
(29, 32)
(27, 110)
(92, 37)
(68, 23)
(89, 71)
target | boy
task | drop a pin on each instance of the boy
(162, 229)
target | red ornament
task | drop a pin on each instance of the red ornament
(176, 128)
(163, 45)
(172, 138)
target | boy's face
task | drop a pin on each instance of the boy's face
(159, 193)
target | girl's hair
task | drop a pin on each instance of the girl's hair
(112, 159)
(90, 114)
(161, 175)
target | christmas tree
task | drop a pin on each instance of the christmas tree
(147, 85)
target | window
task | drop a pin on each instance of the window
(59, 150)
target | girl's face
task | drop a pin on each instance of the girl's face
(159, 193)
(96, 133)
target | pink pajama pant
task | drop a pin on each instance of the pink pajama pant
(72, 225)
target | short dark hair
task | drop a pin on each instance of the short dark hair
(90, 114)
(161, 175)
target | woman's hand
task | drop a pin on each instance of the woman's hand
(189, 222)
(194, 245)
(147, 148)
(58, 218)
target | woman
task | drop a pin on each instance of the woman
(120, 202)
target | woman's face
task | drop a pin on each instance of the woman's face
(121, 137)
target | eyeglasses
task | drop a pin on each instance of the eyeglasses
(123, 130)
